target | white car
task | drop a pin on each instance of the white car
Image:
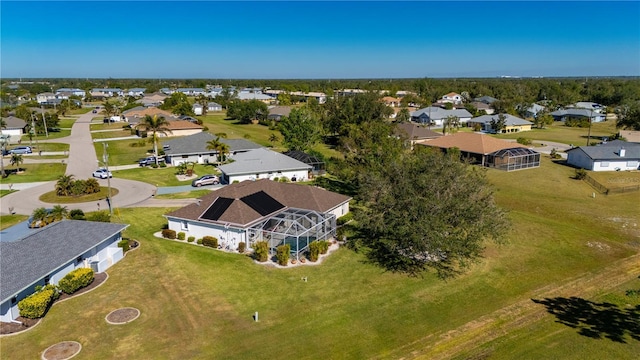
(102, 173)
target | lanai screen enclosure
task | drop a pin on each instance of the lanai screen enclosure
(514, 159)
(296, 227)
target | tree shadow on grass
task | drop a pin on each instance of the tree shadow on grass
(595, 320)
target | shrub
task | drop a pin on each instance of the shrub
(154, 165)
(275, 179)
(324, 246)
(210, 241)
(124, 244)
(580, 174)
(282, 254)
(101, 216)
(181, 235)
(554, 154)
(77, 214)
(314, 251)
(199, 242)
(76, 279)
(345, 218)
(191, 239)
(163, 165)
(168, 234)
(242, 247)
(579, 122)
(261, 251)
(35, 305)
(524, 141)
(284, 179)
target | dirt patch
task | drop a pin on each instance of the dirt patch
(598, 245)
(62, 351)
(122, 316)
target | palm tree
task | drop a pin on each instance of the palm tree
(273, 138)
(218, 146)
(3, 125)
(156, 125)
(59, 212)
(39, 215)
(64, 184)
(16, 159)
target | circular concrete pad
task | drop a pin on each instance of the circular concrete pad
(62, 351)
(122, 316)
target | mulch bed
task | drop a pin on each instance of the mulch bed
(11, 328)
(123, 315)
(62, 351)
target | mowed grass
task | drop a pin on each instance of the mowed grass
(197, 302)
(10, 220)
(616, 179)
(107, 126)
(66, 123)
(111, 134)
(184, 194)
(36, 172)
(558, 132)
(122, 153)
(163, 176)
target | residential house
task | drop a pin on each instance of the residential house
(276, 113)
(263, 163)
(191, 91)
(214, 106)
(167, 91)
(590, 106)
(48, 98)
(197, 109)
(193, 148)
(435, 116)
(263, 210)
(630, 135)
(415, 133)
(615, 155)
(486, 99)
(47, 255)
(182, 128)
(14, 127)
(349, 92)
(136, 114)
(72, 91)
(452, 98)
(575, 113)
(391, 101)
(246, 94)
(106, 92)
(488, 151)
(533, 110)
(136, 92)
(480, 106)
(511, 124)
(152, 100)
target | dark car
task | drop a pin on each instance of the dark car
(206, 180)
(149, 160)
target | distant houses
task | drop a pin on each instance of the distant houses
(435, 116)
(511, 123)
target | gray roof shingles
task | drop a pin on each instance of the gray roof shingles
(260, 161)
(611, 151)
(197, 144)
(26, 261)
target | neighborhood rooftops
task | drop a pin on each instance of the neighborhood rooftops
(415, 132)
(471, 143)
(611, 151)
(197, 144)
(510, 120)
(261, 160)
(35, 256)
(438, 113)
(248, 201)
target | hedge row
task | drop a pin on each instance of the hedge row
(75, 280)
(210, 241)
(35, 305)
(168, 234)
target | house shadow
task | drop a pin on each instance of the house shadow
(595, 320)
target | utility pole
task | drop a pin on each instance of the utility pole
(589, 134)
(33, 131)
(105, 160)
(46, 131)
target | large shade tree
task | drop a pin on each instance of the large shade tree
(300, 130)
(428, 210)
(156, 125)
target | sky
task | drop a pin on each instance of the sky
(323, 39)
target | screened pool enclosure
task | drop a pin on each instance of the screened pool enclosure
(295, 227)
(513, 159)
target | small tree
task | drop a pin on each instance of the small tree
(261, 251)
(59, 212)
(282, 254)
(16, 160)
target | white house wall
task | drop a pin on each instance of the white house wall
(340, 211)
(17, 133)
(230, 235)
(199, 159)
(300, 175)
(615, 165)
(579, 159)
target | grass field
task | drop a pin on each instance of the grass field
(110, 134)
(36, 172)
(67, 123)
(162, 176)
(10, 220)
(558, 132)
(122, 153)
(184, 195)
(109, 126)
(616, 179)
(6, 192)
(197, 302)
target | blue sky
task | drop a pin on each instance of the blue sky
(209, 39)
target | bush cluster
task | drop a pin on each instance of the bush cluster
(314, 251)
(124, 244)
(199, 241)
(168, 234)
(345, 218)
(75, 280)
(282, 254)
(261, 251)
(324, 246)
(210, 241)
(35, 305)
(242, 247)
(580, 174)
(101, 216)
(191, 239)
(76, 214)
(181, 235)
(524, 141)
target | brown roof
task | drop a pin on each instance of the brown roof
(137, 112)
(183, 125)
(290, 195)
(472, 143)
(452, 94)
(280, 110)
(416, 132)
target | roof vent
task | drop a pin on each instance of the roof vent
(622, 152)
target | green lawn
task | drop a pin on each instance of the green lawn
(52, 135)
(10, 220)
(122, 153)
(107, 126)
(6, 192)
(184, 195)
(110, 134)
(36, 172)
(162, 176)
(45, 146)
(197, 302)
(80, 111)
(616, 179)
(558, 132)
(66, 123)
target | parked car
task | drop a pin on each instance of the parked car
(206, 180)
(95, 111)
(149, 160)
(20, 150)
(102, 173)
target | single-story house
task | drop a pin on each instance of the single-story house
(486, 99)
(630, 135)
(136, 92)
(155, 99)
(72, 91)
(276, 113)
(575, 113)
(452, 98)
(488, 151)
(107, 92)
(246, 95)
(533, 110)
(47, 255)
(589, 105)
(182, 128)
(193, 148)
(14, 127)
(263, 163)
(263, 210)
(214, 106)
(511, 123)
(48, 98)
(435, 116)
(415, 133)
(191, 91)
(611, 156)
(197, 109)
(483, 106)
(391, 101)
(136, 114)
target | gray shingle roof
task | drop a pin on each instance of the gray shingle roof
(509, 121)
(260, 161)
(611, 151)
(26, 261)
(437, 113)
(577, 112)
(197, 144)
(14, 122)
(486, 99)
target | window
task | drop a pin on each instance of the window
(47, 279)
(14, 300)
(184, 225)
(78, 259)
(604, 164)
(632, 164)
